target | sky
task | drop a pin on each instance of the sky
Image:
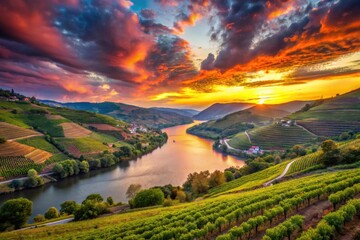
(180, 53)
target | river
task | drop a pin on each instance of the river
(170, 164)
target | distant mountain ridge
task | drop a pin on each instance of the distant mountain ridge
(184, 112)
(132, 114)
(219, 110)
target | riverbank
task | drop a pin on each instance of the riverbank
(169, 164)
(50, 177)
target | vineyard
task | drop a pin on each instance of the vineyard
(312, 160)
(272, 137)
(272, 212)
(329, 128)
(73, 130)
(249, 181)
(80, 146)
(16, 166)
(14, 149)
(9, 131)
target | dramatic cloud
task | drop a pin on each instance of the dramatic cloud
(116, 50)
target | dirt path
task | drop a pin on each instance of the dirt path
(305, 129)
(282, 175)
(248, 136)
(351, 230)
(312, 215)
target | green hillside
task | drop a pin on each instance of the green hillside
(272, 137)
(237, 122)
(223, 215)
(64, 133)
(151, 117)
(332, 117)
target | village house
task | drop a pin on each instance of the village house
(254, 150)
(13, 99)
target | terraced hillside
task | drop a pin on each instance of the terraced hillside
(272, 137)
(294, 206)
(237, 122)
(333, 116)
(73, 130)
(14, 149)
(10, 131)
(330, 128)
(65, 133)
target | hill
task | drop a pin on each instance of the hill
(272, 137)
(237, 122)
(183, 112)
(292, 206)
(39, 136)
(331, 117)
(219, 110)
(154, 118)
(292, 106)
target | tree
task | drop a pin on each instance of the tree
(132, 190)
(200, 182)
(89, 210)
(51, 213)
(68, 207)
(16, 184)
(2, 140)
(148, 197)
(59, 170)
(110, 201)
(216, 178)
(331, 153)
(39, 218)
(15, 212)
(95, 197)
(84, 166)
(34, 179)
(328, 145)
(181, 196)
(229, 176)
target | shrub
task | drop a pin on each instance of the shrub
(110, 201)
(39, 218)
(68, 207)
(149, 197)
(51, 213)
(94, 197)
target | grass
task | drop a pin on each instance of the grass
(79, 146)
(85, 117)
(103, 137)
(272, 137)
(57, 158)
(40, 143)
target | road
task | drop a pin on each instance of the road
(23, 178)
(49, 224)
(224, 141)
(281, 176)
(248, 136)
